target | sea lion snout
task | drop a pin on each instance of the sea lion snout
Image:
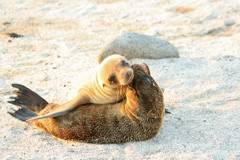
(127, 76)
(142, 79)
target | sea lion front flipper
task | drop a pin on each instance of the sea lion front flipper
(52, 114)
(131, 105)
(63, 109)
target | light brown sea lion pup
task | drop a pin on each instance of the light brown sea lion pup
(107, 85)
(138, 117)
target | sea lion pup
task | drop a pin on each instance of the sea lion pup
(138, 117)
(107, 85)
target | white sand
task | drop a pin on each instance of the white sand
(202, 88)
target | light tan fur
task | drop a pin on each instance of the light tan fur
(98, 89)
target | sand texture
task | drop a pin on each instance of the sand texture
(57, 42)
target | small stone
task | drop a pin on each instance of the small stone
(212, 31)
(135, 45)
(229, 22)
(71, 150)
(14, 35)
(6, 23)
(45, 55)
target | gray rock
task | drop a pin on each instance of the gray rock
(135, 45)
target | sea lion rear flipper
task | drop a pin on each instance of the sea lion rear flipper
(22, 114)
(27, 98)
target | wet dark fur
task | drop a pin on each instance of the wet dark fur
(138, 117)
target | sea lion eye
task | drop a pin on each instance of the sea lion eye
(124, 63)
(112, 79)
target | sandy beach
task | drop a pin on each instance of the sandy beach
(58, 42)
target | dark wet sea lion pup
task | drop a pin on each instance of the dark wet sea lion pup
(138, 117)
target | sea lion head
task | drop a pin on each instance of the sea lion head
(145, 86)
(115, 71)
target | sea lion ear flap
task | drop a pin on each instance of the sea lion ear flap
(145, 68)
